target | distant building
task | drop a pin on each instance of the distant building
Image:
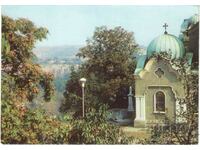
(157, 83)
(190, 36)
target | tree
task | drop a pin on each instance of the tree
(18, 39)
(185, 131)
(22, 80)
(20, 125)
(109, 66)
(72, 92)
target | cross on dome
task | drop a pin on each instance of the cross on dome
(165, 26)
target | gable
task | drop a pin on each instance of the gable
(159, 74)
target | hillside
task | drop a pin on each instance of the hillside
(58, 52)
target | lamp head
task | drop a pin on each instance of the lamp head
(83, 80)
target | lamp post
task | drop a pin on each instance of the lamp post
(83, 80)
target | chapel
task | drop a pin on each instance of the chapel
(157, 83)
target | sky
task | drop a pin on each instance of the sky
(73, 25)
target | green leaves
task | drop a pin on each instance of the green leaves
(94, 129)
(108, 68)
(109, 57)
(41, 33)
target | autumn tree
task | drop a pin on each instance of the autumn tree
(108, 67)
(22, 80)
(20, 125)
(18, 39)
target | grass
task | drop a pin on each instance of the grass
(140, 133)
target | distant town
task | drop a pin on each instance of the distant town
(60, 67)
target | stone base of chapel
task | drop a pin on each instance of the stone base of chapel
(139, 123)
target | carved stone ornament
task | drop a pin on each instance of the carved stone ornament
(159, 72)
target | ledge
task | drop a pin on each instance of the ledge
(159, 112)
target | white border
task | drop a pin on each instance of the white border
(100, 2)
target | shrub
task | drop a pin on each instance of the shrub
(94, 129)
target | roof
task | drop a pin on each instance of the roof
(140, 64)
(166, 43)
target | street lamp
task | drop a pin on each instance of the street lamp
(83, 80)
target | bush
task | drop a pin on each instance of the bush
(20, 125)
(94, 129)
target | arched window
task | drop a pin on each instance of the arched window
(159, 102)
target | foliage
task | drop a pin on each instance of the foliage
(18, 39)
(94, 129)
(108, 68)
(185, 131)
(72, 93)
(22, 80)
(20, 125)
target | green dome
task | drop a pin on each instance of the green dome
(166, 43)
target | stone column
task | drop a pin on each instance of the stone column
(140, 112)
